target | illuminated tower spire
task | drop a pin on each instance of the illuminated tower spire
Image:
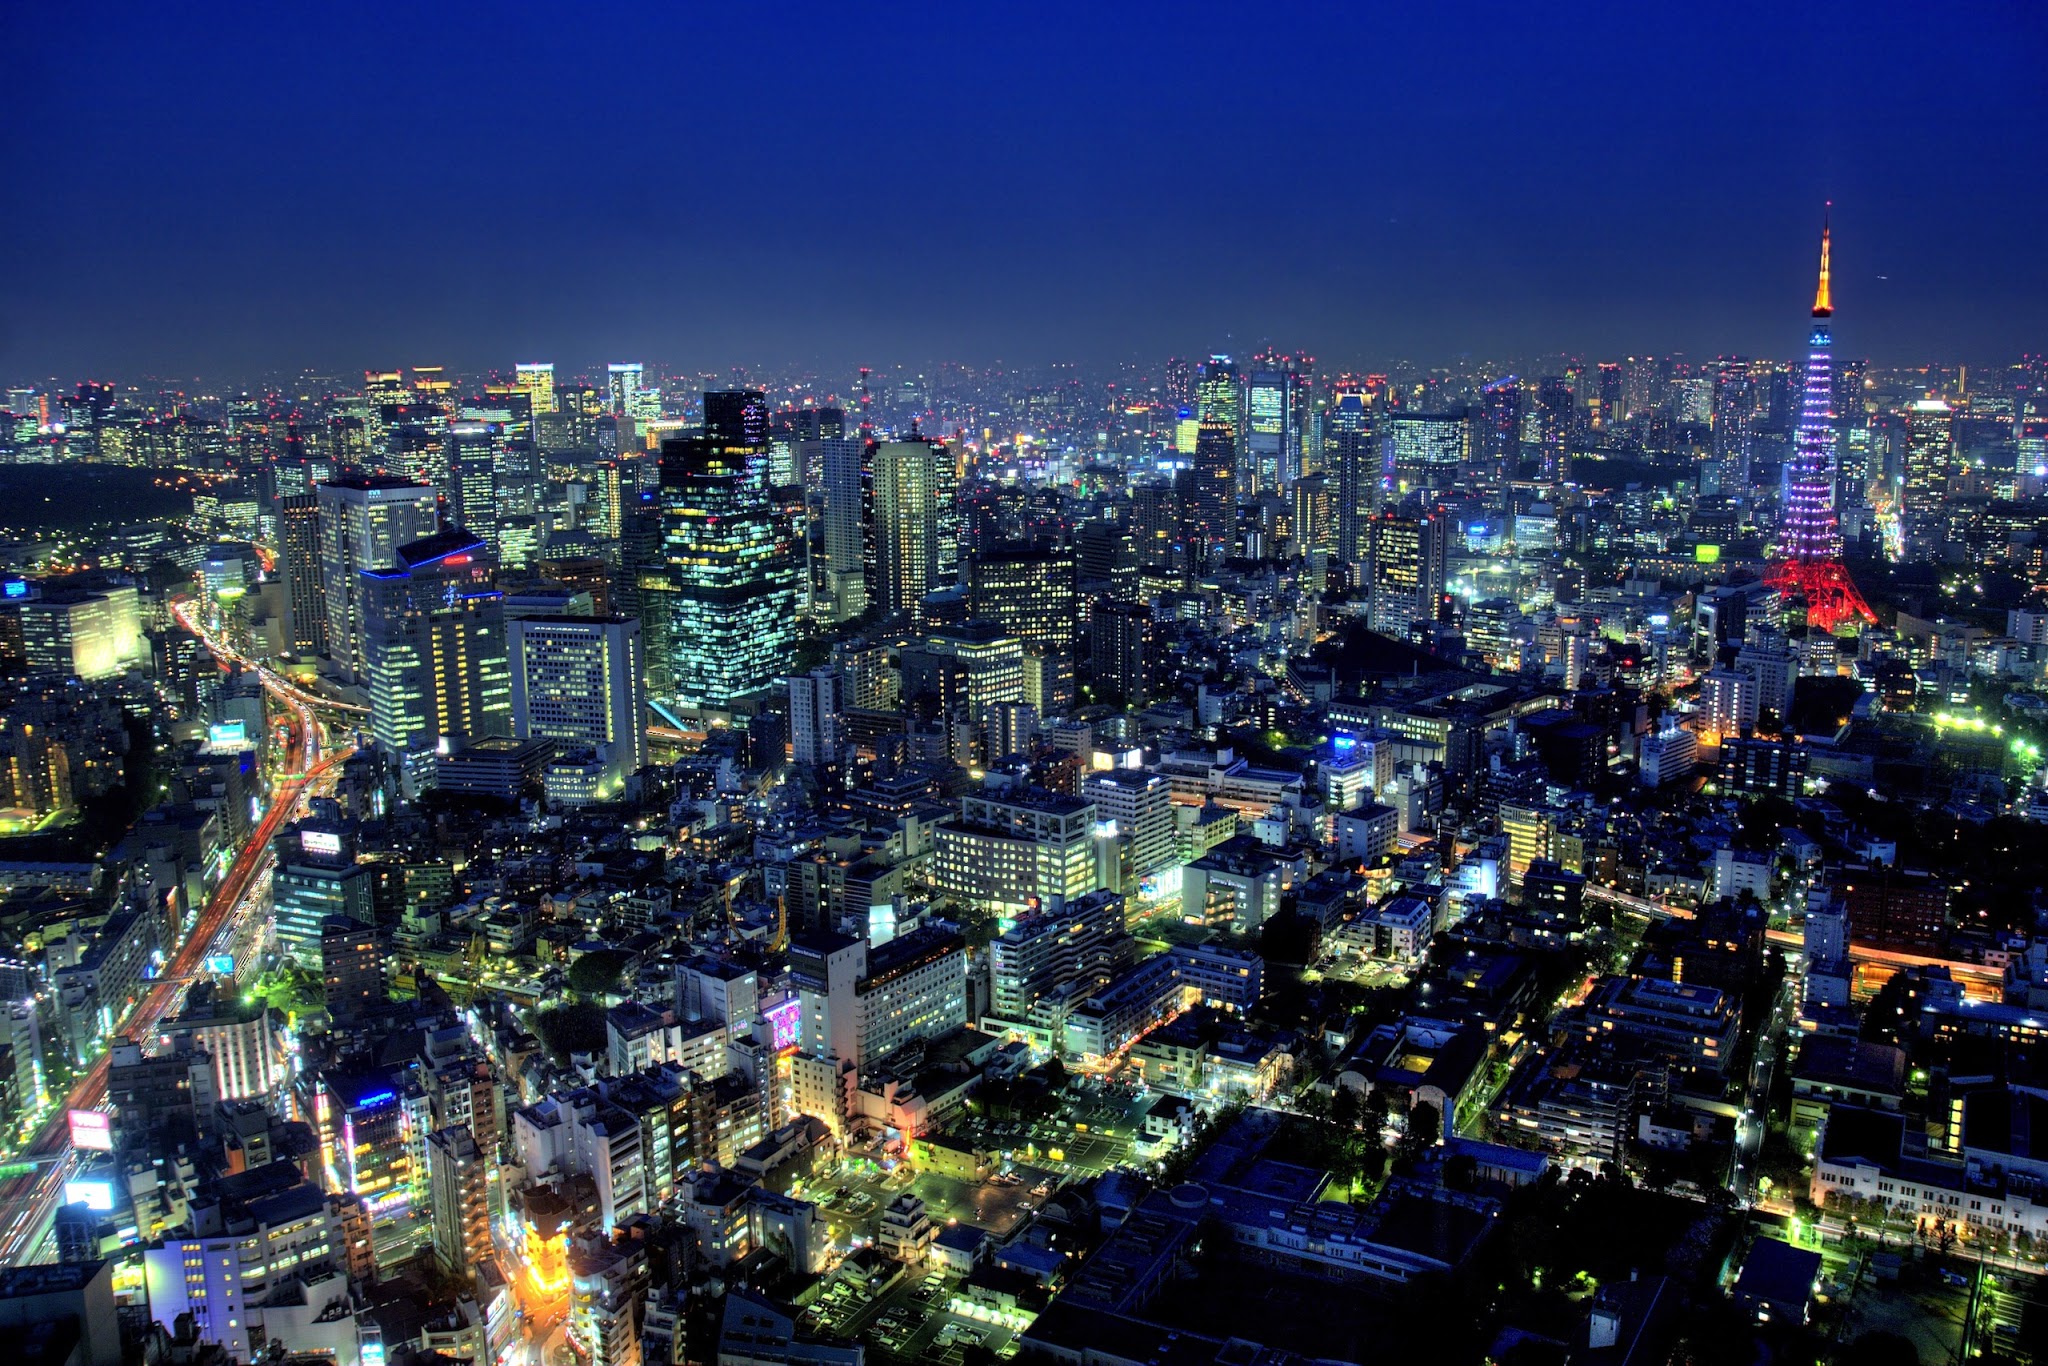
(1808, 560)
(1823, 298)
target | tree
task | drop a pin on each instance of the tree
(1345, 1108)
(1425, 1127)
(597, 973)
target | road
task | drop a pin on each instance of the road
(1754, 1123)
(28, 1202)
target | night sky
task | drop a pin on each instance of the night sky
(209, 190)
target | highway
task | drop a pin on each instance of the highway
(28, 1202)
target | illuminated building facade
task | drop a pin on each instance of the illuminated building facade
(82, 635)
(732, 566)
(914, 530)
(434, 644)
(1207, 490)
(1009, 854)
(1930, 462)
(537, 378)
(363, 522)
(1425, 450)
(298, 534)
(1084, 940)
(1405, 574)
(580, 681)
(1029, 593)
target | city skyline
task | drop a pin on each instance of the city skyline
(1648, 190)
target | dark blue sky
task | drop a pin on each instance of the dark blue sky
(215, 188)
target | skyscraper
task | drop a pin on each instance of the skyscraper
(1930, 462)
(479, 454)
(1029, 593)
(1808, 559)
(732, 565)
(1355, 457)
(537, 378)
(363, 522)
(298, 537)
(1208, 490)
(1733, 400)
(1275, 399)
(915, 526)
(1556, 414)
(579, 681)
(815, 709)
(434, 644)
(1406, 574)
(623, 387)
(847, 481)
(1425, 450)
(1499, 439)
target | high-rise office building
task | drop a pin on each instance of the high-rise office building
(816, 709)
(846, 481)
(1207, 490)
(1733, 416)
(1083, 940)
(73, 634)
(298, 536)
(859, 1005)
(1406, 574)
(1930, 462)
(317, 879)
(1354, 457)
(479, 482)
(914, 537)
(1275, 402)
(622, 388)
(537, 378)
(1219, 395)
(1016, 852)
(1135, 809)
(1498, 442)
(434, 644)
(1029, 593)
(732, 565)
(1556, 419)
(1425, 450)
(580, 682)
(363, 522)
(1121, 650)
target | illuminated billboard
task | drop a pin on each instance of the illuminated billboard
(221, 964)
(786, 1020)
(322, 842)
(228, 733)
(94, 1195)
(92, 1130)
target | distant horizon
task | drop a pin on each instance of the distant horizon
(276, 189)
(1152, 370)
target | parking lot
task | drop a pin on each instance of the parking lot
(1093, 1129)
(916, 1319)
(852, 1200)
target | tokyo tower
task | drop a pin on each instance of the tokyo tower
(1808, 558)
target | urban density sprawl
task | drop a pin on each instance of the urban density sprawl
(1214, 860)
